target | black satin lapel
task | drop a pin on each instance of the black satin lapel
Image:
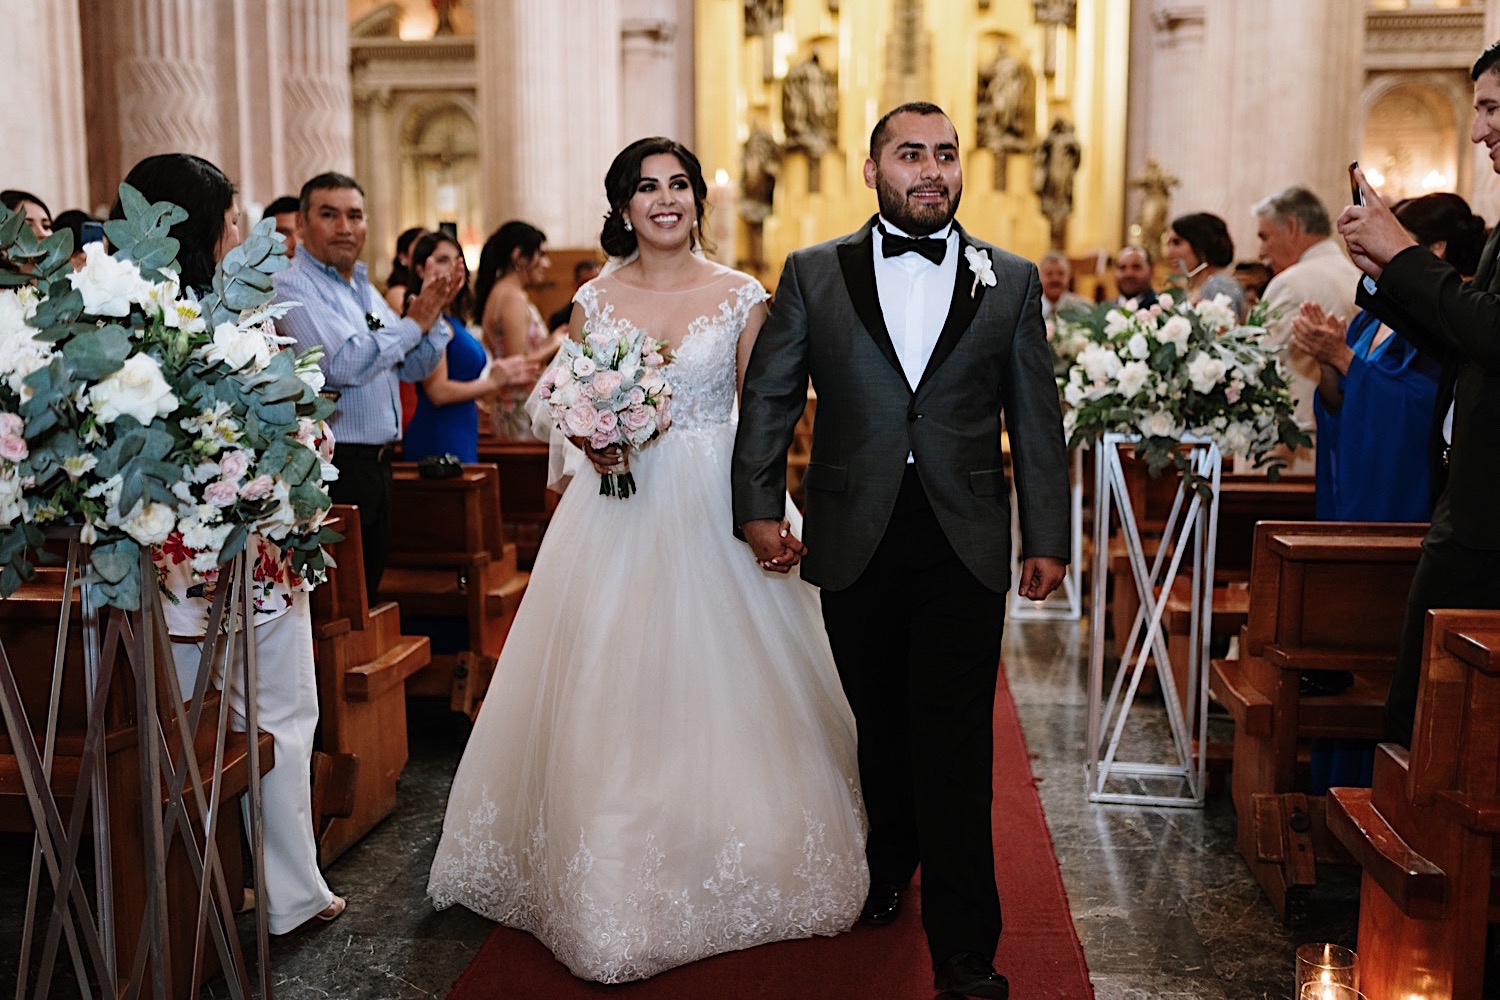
(857, 260)
(961, 310)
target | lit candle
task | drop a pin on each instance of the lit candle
(722, 208)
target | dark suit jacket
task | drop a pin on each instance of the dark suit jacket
(991, 357)
(1424, 298)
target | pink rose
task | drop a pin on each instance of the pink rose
(13, 448)
(580, 420)
(606, 422)
(11, 424)
(234, 465)
(223, 492)
(1232, 393)
(636, 396)
(601, 440)
(605, 384)
(664, 413)
(635, 418)
(256, 489)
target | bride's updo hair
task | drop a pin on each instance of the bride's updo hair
(619, 187)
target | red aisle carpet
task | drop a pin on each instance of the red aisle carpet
(1039, 951)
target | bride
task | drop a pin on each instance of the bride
(664, 768)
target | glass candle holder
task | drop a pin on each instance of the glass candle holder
(1329, 991)
(1326, 965)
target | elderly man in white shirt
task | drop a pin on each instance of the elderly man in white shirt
(1307, 265)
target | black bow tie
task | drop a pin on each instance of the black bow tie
(932, 248)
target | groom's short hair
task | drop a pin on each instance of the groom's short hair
(877, 135)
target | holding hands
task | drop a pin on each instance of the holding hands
(1322, 336)
(1371, 232)
(773, 543)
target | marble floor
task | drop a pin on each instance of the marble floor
(1165, 908)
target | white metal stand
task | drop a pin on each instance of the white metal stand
(1066, 602)
(1177, 776)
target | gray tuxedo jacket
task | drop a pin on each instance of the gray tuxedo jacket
(991, 360)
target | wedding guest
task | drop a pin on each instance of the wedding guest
(286, 696)
(1133, 275)
(446, 419)
(1057, 283)
(367, 350)
(1307, 265)
(1426, 298)
(284, 211)
(399, 282)
(514, 260)
(38, 215)
(1200, 250)
(584, 271)
(670, 770)
(1253, 276)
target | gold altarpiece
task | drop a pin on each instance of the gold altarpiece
(877, 53)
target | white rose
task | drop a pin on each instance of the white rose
(137, 389)
(1116, 323)
(1073, 394)
(1237, 439)
(150, 524)
(1139, 347)
(1099, 362)
(13, 316)
(108, 286)
(238, 348)
(1160, 424)
(1217, 314)
(1176, 331)
(1132, 378)
(313, 376)
(1165, 300)
(584, 367)
(1205, 372)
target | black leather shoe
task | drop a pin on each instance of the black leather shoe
(968, 974)
(882, 905)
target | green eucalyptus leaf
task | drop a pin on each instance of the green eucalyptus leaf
(133, 203)
(11, 222)
(155, 252)
(235, 543)
(58, 251)
(98, 356)
(115, 560)
(64, 308)
(14, 279)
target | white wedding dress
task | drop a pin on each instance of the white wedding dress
(664, 767)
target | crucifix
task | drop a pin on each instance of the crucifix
(1051, 14)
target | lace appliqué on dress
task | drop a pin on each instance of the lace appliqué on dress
(665, 921)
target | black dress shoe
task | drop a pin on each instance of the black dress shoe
(971, 975)
(882, 905)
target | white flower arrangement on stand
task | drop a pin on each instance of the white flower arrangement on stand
(1178, 370)
(131, 409)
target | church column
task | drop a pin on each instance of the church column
(317, 114)
(165, 81)
(48, 155)
(549, 123)
(651, 90)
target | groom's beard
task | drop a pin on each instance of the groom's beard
(913, 217)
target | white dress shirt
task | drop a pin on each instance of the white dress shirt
(914, 297)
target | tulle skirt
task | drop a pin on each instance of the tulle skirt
(664, 767)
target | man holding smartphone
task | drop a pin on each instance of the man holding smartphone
(1417, 293)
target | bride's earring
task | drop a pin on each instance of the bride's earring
(628, 227)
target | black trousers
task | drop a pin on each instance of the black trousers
(917, 643)
(365, 481)
(1449, 575)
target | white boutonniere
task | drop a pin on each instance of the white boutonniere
(984, 271)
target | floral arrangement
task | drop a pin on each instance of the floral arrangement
(609, 390)
(1179, 369)
(136, 411)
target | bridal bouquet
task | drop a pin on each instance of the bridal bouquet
(610, 390)
(1179, 369)
(138, 412)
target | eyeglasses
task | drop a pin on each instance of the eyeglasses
(374, 322)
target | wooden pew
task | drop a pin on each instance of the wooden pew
(1322, 596)
(363, 662)
(28, 629)
(523, 482)
(1425, 833)
(454, 576)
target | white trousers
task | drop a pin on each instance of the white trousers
(287, 703)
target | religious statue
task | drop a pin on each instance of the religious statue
(1004, 110)
(760, 165)
(762, 17)
(444, 10)
(1156, 186)
(810, 113)
(1054, 163)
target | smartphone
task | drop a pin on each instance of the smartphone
(1354, 188)
(451, 228)
(90, 232)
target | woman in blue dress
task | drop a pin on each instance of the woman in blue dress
(446, 420)
(1375, 408)
(1377, 393)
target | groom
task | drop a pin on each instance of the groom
(917, 338)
